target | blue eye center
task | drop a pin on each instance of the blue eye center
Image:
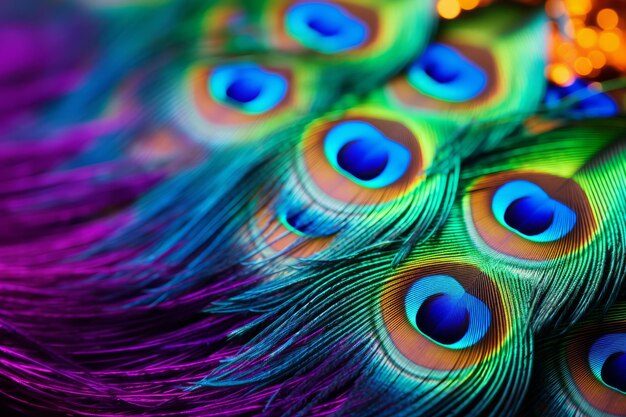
(526, 209)
(440, 308)
(244, 90)
(445, 74)
(302, 220)
(362, 153)
(443, 319)
(531, 215)
(614, 371)
(325, 27)
(364, 158)
(247, 87)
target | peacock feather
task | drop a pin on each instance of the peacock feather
(469, 74)
(312, 208)
(584, 368)
(544, 218)
(458, 314)
(334, 181)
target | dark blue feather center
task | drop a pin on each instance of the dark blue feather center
(443, 318)
(244, 89)
(324, 26)
(441, 73)
(301, 222)
(614, 371)
(364, 158)
(530, 215)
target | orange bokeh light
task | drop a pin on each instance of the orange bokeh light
(607, 18)
(587, 39)
(448, 9)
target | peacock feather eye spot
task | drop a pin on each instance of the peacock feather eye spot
(297, 221)
(441, 309)
(303, 221)
(325, 27)
(281, 227)
(445, 74)
(362, 153)
(530, 215)
(590, 366)
(586, 102)
(443, 318)
(247, 87)
(356, 159)
(613, 371)
(607, 360)
(526, 209)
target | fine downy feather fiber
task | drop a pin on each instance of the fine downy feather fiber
(309, 208)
